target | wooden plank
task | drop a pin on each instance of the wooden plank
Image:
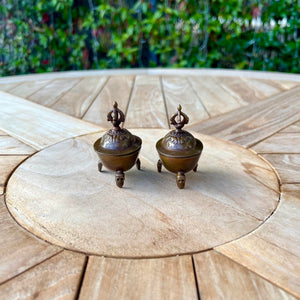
(285, 84)
(36, 125)
(214, 97)
(117, 88)
(146, 106)
(177, 90)
(237, 85)
(11, 146)
(291, 188)
(287, 142)
(264, 87)
(283, 228)
(248, 125)
(3, 132)
(221, 278)
(166, 278)
(293, 128)
(19, 250)
(271, 262)
(57, 278)
(8, 86)
(287, 166)
(50, 93)
(7, 165)
(25, 89)
(77, 100)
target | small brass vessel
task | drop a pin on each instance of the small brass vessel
(179, 151)
(118, 149)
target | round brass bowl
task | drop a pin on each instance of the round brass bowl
(119, 161)
(179, 162)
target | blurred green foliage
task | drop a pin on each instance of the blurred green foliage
(55, 35)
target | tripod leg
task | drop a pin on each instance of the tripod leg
(120, 178)
(100, 166)
(159, 166)
(180, 180)
(138, 164)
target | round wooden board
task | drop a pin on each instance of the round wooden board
(59, 195)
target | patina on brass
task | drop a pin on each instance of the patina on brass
(118, 149)
(179, 151)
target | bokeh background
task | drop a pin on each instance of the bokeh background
(57, 35)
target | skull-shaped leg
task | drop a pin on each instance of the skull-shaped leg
(180, 180)
(120, 178)
(159, 166)
(138, 164)
(195, 169)
(100, 166)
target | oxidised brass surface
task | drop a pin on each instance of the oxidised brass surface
(179, 151)
(118, 149)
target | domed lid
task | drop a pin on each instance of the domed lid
(179, 142)
(117, 141)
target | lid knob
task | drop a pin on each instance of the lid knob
(179, 119)
(116, 116)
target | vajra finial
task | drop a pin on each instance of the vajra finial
(116, 116)
(179, 119)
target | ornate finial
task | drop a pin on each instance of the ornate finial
(179, 119)
(116, 116)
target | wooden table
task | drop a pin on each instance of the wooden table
(67, 232)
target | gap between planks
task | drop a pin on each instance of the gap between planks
(95, 97)
(254, 272)
(32, 267)
(192, 87)
(86, 261)
(130, 96)
(165, 102)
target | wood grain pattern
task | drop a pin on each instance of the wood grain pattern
(149, 217)
(7, 164)
(117, 88)
(262, 265)
(36, 125)
(19, 250)
(77, 100)
(236, 85)
(293, 188)
(146, 106)
(283, 228)
(50, 93)
(26, 89)
(221, 278)
(167, 278)
(57, 278)
(293, 128)
(177, 90)
(287, 142)
(11, 146)
(285, 84)
(249, 125)
(271, 262)
(287, 166)
(264, 88)
(8, 86)
(215, 98)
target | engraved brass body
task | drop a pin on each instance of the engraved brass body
(118, 149)
(179, 151)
